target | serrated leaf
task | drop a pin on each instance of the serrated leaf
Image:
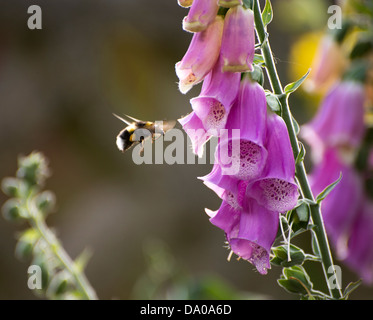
(273, 102)
(291, 87)
(322, 195)
(352, 286)
(267, 14)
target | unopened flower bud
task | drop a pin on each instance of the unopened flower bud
(238, 42)
(201, 14)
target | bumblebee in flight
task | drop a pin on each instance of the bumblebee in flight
(137, 131)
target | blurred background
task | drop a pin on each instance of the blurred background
(145, 224)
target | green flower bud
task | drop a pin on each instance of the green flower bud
(12, 210)
(33, 169)
(26, 243)
(45, 201)
(59, 284)
(11, 186)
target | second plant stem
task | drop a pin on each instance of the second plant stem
(319, 230)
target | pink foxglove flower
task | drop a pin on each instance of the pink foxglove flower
(229, 189)
(339, 121)
(328, 65)
(340, 207)
(360, 252)
(219, 91)
(202, 54)
(250, 232)
(193, 126)
(229, 3)
(243, 155)
(238, 43)
(276, 189)
(200, 15)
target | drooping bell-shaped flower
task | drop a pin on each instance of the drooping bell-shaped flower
(328, 65)
(229, 189)
(219, 91)
(202, 54)
(276, 189)
(238, 43)
(229, 3)
(254, 238)
(341, 205)
(360, 251)
(339, 121)
(201, 14)
(242, 153)
(193, 126)
(250, 232)
(185, 3)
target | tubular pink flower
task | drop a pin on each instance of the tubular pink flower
(238, 43)
(339, 121)
(219, 91)
(250, 232)
(340, 207)
(249, 115)
(229, 189)
(201, 56)
(193, 126)
(200, 15)
(229, 3)
(360, 252)
(276, 189)
(328, 65)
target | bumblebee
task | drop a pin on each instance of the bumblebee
(137, 131)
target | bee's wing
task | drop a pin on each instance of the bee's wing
(134, 119)
(121, 119)
(168, 125)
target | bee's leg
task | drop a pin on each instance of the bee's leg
(156, 136)
(142, 146)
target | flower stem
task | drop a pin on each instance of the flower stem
(319, 230)
(48, 236)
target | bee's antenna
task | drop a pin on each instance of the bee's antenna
(121, 119)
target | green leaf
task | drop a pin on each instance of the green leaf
(267, 14)
(259, 59)
(301, 154)
(327, 190)
(299, 217)
(82, 260)
(296, 280)
(352, 286)
(281, 256)
(257, 74)
(361, 48)
(273, 102)
(291, 87)
(296, 126)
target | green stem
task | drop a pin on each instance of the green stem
(321, 236)
(80, 279)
